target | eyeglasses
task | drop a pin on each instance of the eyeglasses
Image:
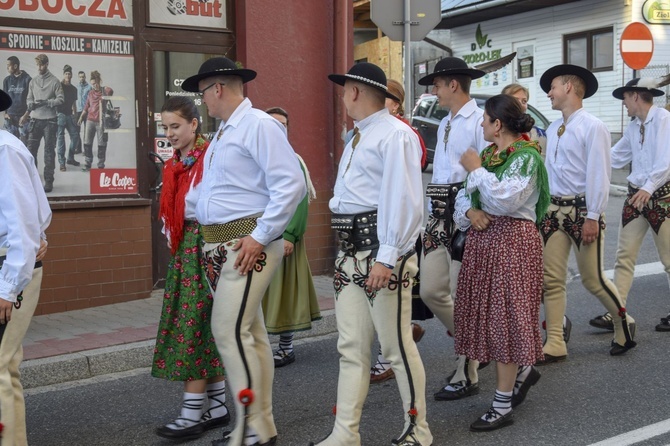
(209, 86)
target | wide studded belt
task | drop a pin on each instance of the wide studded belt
(658, 193)
(574, 200)
(442, 199)
(228, 231)
(356, 232)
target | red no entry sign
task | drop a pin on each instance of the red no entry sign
(636, 45)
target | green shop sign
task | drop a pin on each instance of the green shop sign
(481, 49)
(656, 11)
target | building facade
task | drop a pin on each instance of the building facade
(105, 241)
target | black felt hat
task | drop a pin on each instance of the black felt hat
(217, 66)
(566, 69)
(450, 66)
(5, 101)
(365, 73)
(637, 85)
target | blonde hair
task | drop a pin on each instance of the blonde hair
(513, 89)
(577, 83)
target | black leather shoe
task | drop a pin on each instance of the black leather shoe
(225, 441)
(567, 329)
(187, 433)
(449, 395)
(532, 379)
(604, 322)
(73, 162)
(664, 325)
(493, 421)
(212, 423)
(618, 349)
(286, 358)
(550, 359)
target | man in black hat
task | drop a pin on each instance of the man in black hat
(645, 145)
(251, 187)
(66, 113)
(24, 216)
(377, 211)
(578, 166)
(460, 130)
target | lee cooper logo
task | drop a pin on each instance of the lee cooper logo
(201, 8)
(113, 181)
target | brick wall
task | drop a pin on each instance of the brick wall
(320, 239)
(97, 255)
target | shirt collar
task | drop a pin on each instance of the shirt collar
(369, 119)
(238, 114)
(468, 109)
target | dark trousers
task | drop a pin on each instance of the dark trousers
(46, 128)
(66, 122)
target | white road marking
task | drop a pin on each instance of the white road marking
(638, 435)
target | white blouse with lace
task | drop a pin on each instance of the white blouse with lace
(514, 195)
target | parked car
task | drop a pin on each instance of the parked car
(427, 115)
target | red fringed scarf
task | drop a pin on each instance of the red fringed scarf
(177, 177)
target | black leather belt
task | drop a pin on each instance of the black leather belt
(576, 200)
(442, 199)
(356, 232)
(38, 264)
(658, 193)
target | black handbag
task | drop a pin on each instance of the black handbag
(458, 244)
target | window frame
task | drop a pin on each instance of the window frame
(589, 47)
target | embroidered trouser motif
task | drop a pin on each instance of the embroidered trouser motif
(634, 226)
(239, 331)
(562, 231)
(357, 320)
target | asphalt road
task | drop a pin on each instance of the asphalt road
(590, 398)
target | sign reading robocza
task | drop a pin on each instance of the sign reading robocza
(98, 12)
(191, 13)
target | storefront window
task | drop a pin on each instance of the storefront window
(170, 70)
(590, 49)
(80, 101)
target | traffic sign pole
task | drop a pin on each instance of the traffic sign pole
(409, 94)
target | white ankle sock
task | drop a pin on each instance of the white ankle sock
(502, 402)
(216, 393)
(521, 376)
(251, 437)
(191, 411)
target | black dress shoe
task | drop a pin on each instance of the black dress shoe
(532, 379)
(550, 359)
(286, 358)
(492, 422)
(212, 423)
(567, 329)
(225, 441)
(604, 322)
(618, 349)
(73, 162)
(444, 394)
(187, 433)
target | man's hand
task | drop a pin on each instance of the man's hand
(42, 251)
(379, 277)
(249, 251)
(590, 231)
(640, 199)
(288, 248)
(470, 160)
(5, 310)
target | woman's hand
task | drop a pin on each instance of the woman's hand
(470, 160)
(479, 219)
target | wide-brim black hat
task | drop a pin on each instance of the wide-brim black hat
(451, 66)
(217, 66)
(365, 73)
(5, 101)
(633, 86)
(566, 69)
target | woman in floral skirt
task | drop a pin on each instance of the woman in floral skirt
(497, 305)
(185, 348)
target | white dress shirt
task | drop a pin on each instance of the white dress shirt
(513, 195)
(579, 161)
(651, 159)
(251, 170)
(24, 215)
(384, 175)
(466, 131)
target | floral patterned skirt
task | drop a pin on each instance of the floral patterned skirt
(497, 306)
(185, 348)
